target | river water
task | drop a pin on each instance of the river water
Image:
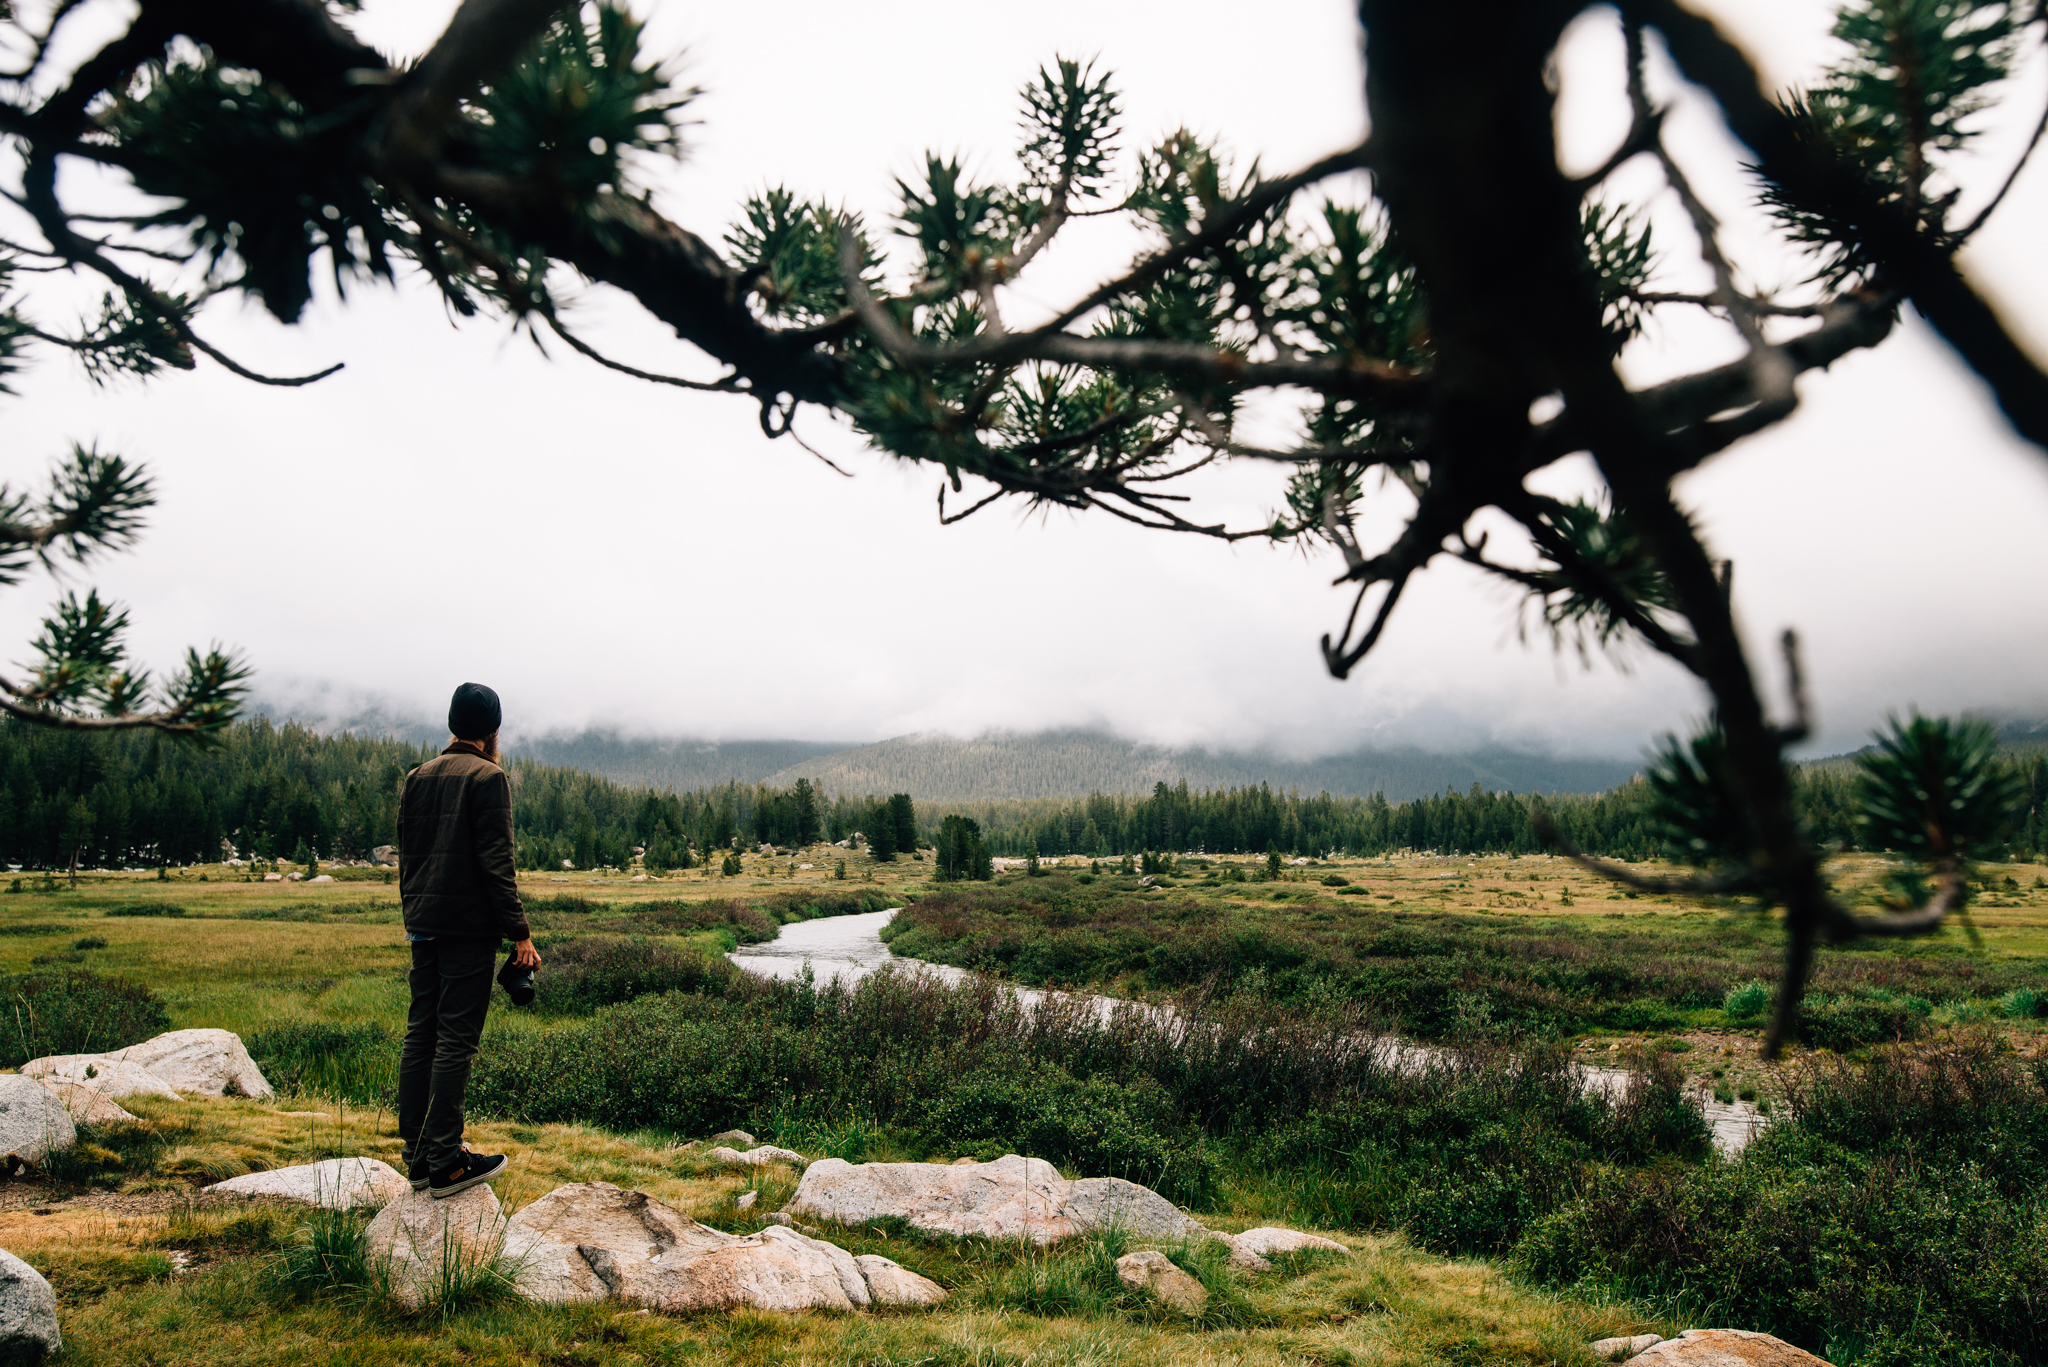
(850, 947)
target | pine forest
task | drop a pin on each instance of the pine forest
(289, 793)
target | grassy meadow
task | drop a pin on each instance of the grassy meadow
(1894, 1214)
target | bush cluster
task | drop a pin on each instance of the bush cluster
(966, 1069)
(1465, 1151)
(74, 1011)
(1898, 1218)
(581, 973)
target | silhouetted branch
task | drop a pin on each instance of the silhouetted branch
(1925, 270)
(1721, 885)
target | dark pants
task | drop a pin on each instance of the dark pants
(451, 991)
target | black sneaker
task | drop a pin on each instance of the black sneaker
(417, 1172)
(471, 1170)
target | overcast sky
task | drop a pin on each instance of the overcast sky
(454, 506)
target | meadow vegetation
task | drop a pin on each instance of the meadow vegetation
(1482, 948)
(1501, 1212)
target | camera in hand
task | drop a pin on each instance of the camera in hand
(516, 980)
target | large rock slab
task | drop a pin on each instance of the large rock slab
(110, 1076)
(85, 1103)
(1724, 1348)
(756, 1157)
(1142, 1213)
(208, 1062)
(28, 1313)
(894, 1285)
(1011, 1198)
(1623, 1346)
(424, 1243)
(1154, 1274)
(777, 1269)
(33, 1122)
(629, 1223)
(332, 1184)
(548, 1273)
(549, 1244)
(1252, 1249)
(591, 1240)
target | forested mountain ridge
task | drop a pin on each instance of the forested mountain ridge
(999, 767)
(673, 763)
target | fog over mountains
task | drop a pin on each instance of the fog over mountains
(1001, 766)
(1069, 763)
(935, 767)
(991, 768)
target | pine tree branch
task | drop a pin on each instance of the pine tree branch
(482, 39)
(179, 721)
(1751, 303)
(1925, 270)
(1360, 377)
(1516, 316)
(1984, 214)
(1684, 409)
(730, 384)
(1578, 573)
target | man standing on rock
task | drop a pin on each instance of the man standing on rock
(461, 897)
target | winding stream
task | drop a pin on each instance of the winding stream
(850, 947)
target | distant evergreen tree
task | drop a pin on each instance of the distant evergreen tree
(903, 817)
(1272, 861)
(805, 804)
(959, 854)
(881, 833)
(660, 856)
(77, 832)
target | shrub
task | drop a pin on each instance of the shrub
(2023, 1003)
(749, 924)
(1466, 1151)
(563, 903)
(809, 906)
(1845, 1023)
(1747, 1001)
(146, 909)
(89, 942)
(76, 1012)
(585, 972)
(357, 1062)
(1098, 1127)
(1895, 1217)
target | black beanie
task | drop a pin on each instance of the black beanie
(474, 712)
